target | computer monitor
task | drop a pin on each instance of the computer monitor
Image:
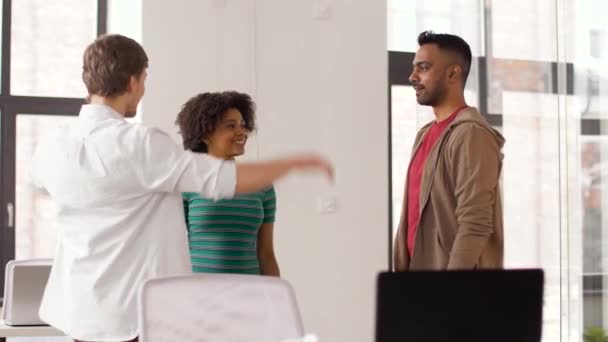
(460, 306)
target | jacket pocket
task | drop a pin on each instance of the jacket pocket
(440, 243)
(442, 254)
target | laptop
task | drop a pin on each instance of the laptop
(24, 287)
(460, 306)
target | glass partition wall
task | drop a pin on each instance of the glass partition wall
(540, 76)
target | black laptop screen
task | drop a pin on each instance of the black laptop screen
(457, 306)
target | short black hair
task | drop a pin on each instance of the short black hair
(452, 43)
(201, 114)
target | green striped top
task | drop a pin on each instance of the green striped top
(223, 234)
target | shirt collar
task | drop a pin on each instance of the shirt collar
(99, 112)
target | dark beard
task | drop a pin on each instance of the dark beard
(431, 99)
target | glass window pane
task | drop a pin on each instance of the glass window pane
(589, 156)
(35, 228)
(524, 29)
(48, 39)
(125, 17)
(532, 220)
(590, 246)
(516, 76)
(407, 18)
(402, 31)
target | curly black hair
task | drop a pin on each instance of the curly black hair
(201, 114)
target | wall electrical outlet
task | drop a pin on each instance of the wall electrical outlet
(321, 9)
(327, 204)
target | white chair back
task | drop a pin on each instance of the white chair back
(218, 308)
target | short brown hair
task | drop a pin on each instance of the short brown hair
(201, 114)
(109, 62)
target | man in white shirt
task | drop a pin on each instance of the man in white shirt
(118, 186)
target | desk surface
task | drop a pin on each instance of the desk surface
(34, 331)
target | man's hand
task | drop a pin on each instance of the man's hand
(311, 162)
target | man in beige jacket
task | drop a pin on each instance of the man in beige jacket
(452, 214)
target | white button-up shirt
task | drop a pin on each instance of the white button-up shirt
(121, 220)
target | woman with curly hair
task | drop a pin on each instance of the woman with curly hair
(233, 235)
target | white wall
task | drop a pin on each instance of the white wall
(194, 46)
(320, 84)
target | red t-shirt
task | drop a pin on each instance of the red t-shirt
(415, 176)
